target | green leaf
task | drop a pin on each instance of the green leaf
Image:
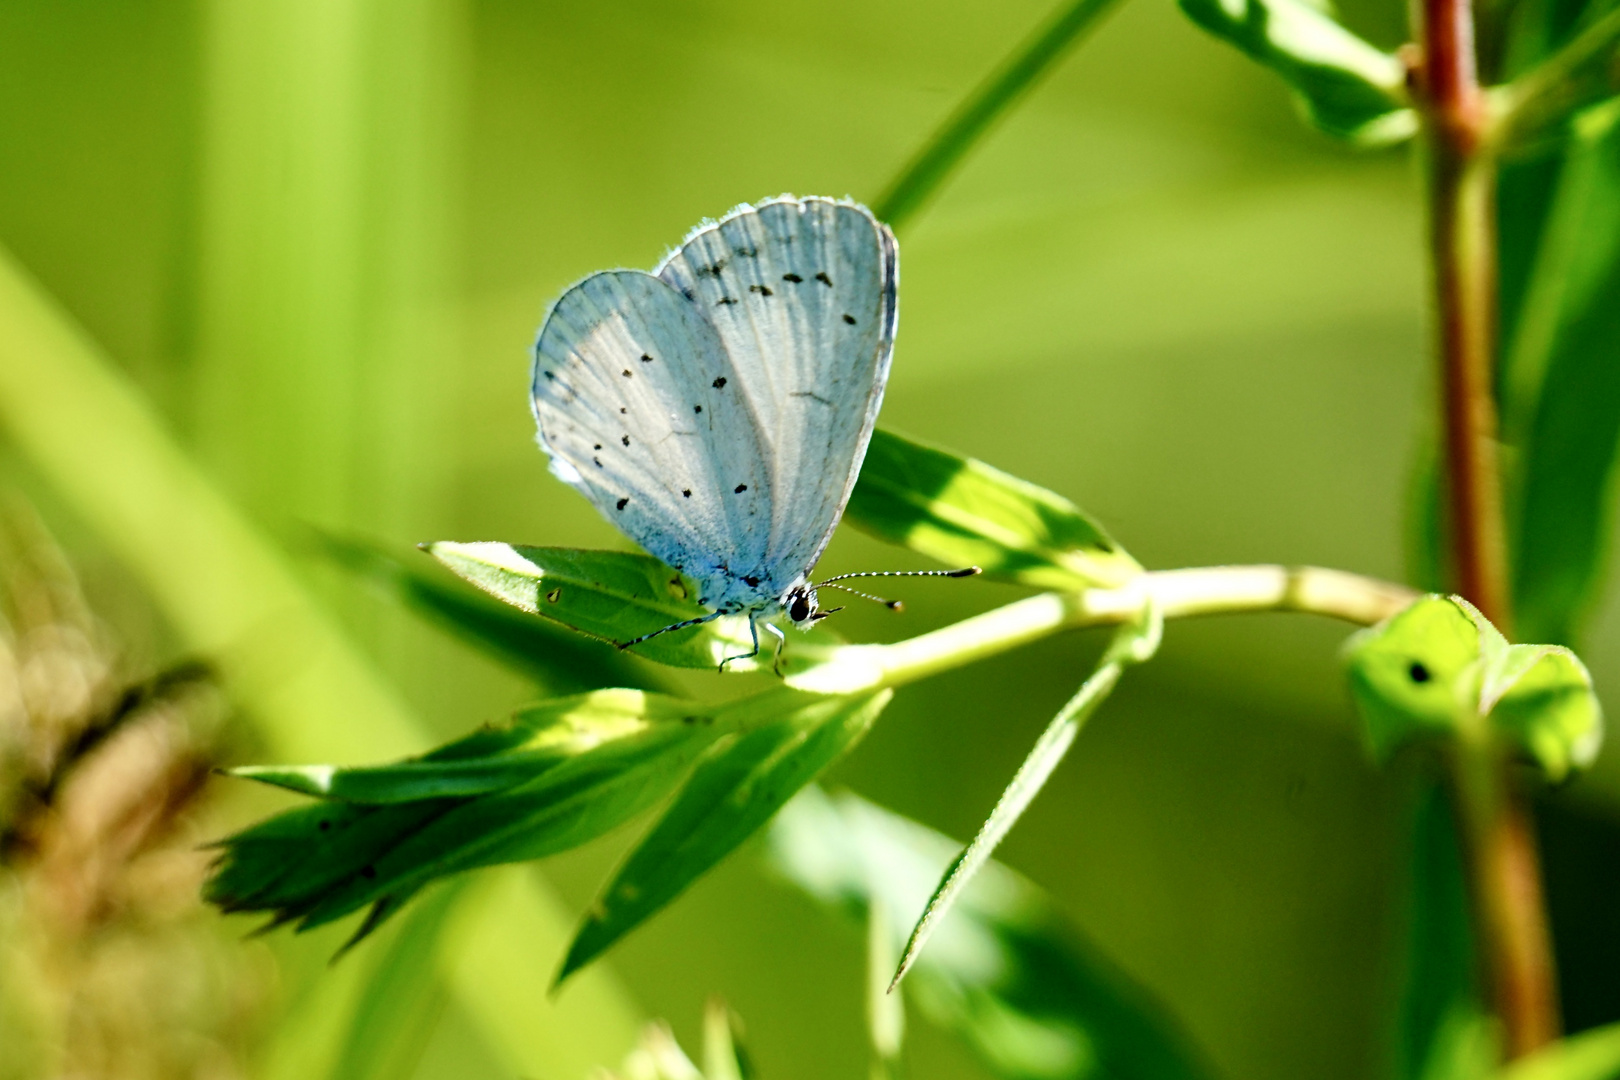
(1591, 1055)
(559, 661)
(966, 513)
(734, 790)
(538, 737)
(611, 595)
(723, 1055)
(1133, 643)
(563, 774)
(1006, 971)
(1440, 668)
(972, 120)
(1561, 392)
(1348, 88)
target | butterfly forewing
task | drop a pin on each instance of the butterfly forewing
(636, 401)
(802, 293)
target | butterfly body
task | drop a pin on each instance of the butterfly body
(717, 410)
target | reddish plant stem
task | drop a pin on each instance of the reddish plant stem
(1495, 824)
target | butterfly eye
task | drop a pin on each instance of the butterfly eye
(799, 608)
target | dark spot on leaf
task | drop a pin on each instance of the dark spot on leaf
(1418, 672)
(795, 278)
(719, 383)
(621, 503)
(739, 489)
(686, 493)
(625, 439)
(821, 276)
(763, 290)
(325, 825)
(849, 319)
(553, 595)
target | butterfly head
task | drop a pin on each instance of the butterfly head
(802, 607)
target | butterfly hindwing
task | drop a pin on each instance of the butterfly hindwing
(637, 404)
(802, 294)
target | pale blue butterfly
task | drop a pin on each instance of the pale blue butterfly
(717, 410)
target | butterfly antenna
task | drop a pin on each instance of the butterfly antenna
(892, 605)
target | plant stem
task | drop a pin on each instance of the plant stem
(1510, 922)
(1207, 590)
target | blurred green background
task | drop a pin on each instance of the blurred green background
(319, 235)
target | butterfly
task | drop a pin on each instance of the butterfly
(717, 410)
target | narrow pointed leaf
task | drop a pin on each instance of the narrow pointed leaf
(614, 596)
(1007, 972)
(966, 513)
(733, 791)
(723, 1055)
(1132, 644)
(557, 660)
(1348, 87)
(539, 737)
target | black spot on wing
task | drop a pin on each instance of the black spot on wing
(720, 383)
(821, 276)
(625, 439)
(795, 278)
(739, 489)
(763, 290)
(645, 359)
(849, 319)
(622, 503)
(747, 252)
(724, 300)
(626, 371)
(686, 493)
(697, 408)
(752, 582)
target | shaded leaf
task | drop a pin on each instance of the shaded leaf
(734, 790)
(1132, 643)
(1347, 87)
(611, 595)
(966, 513)
(1006, 971)
(557, 660)
(1440, 667)
(1561, 392)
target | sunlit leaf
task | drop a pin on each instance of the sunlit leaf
(966, 513)
(612, 595)
(734, 790)
(1133, 643)
(1438, 667)
(1348, 87)
(560, 661)
(723, 1054)
(1005, 971)
(1591, 1055)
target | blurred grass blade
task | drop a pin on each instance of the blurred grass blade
(1561, 392)
(1436, 1028)
(1008, 973)
(610, 595)
(924, 174)
(885, 1004)
(723, 1055)
(557, 661)
(1348, 88)
(538, 738)
(1591, 1055)
(1132, 643)
(966, 513)
(403, 999)
(732, 792)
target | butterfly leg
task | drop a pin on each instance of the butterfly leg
(753, 628)
(713, 615)
(781, 641)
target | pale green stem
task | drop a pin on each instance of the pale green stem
(1179, 593)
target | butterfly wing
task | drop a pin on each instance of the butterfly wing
(638, 405)
(802, 295)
